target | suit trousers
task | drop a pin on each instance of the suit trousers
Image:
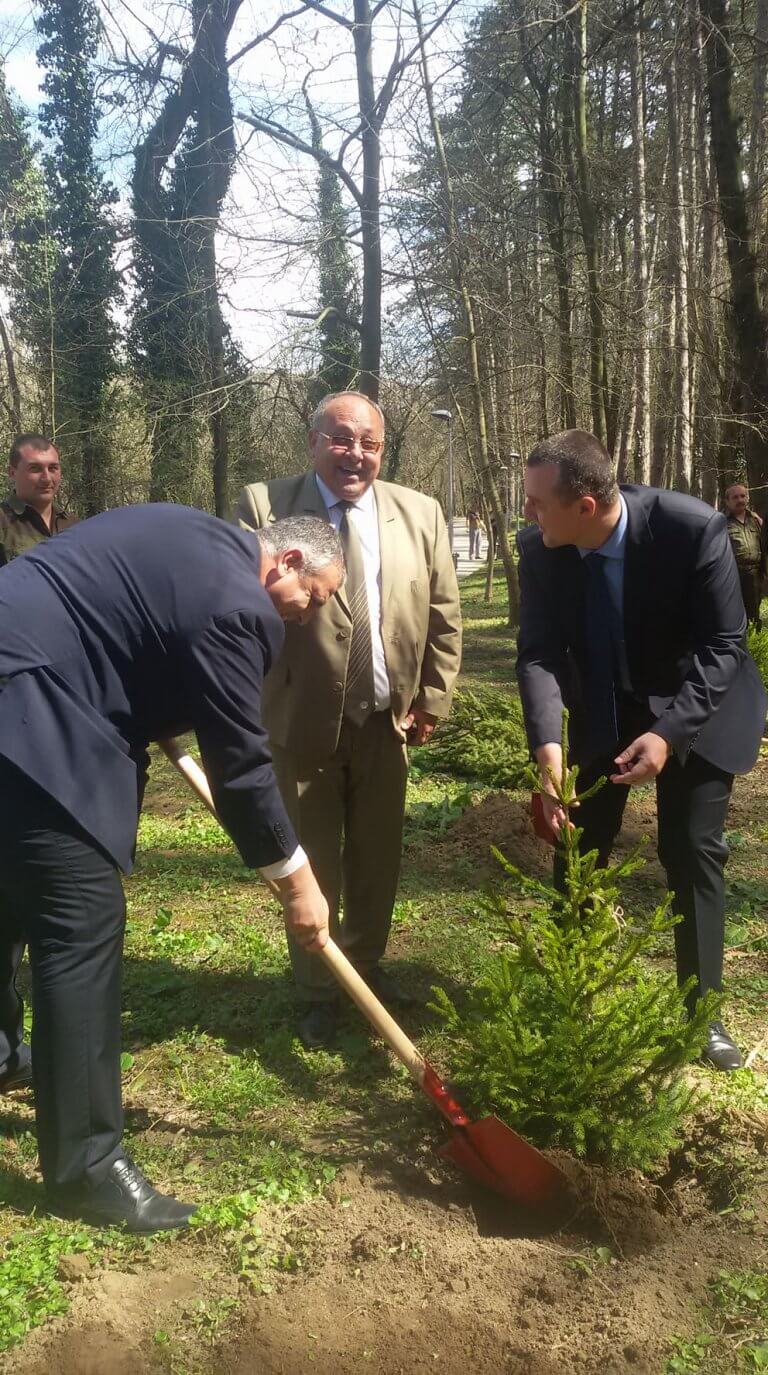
(751, 583)
(63, 896)
(691, 805)
(348, 814)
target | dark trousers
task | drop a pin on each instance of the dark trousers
(751, 590)
(63, 897)
(691, 804)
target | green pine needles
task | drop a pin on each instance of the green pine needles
(568, 1036)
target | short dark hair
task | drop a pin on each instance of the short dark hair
(584, 467)
(316, 538)
(39, 442)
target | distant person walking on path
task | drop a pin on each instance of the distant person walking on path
(475, 525)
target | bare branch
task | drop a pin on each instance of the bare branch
(262, 37)
(299, 145)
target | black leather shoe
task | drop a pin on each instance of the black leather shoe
(20, 1078)
(124, 1196)
(21, 1075)
(387, 989)
(317, 1024)
(720, 1050)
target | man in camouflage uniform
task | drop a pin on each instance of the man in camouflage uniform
(745, 530)
(30, 514)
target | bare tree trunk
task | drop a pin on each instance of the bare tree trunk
(577, 160)
(458, 270)
(683, 457)
(663, 428)
(14, 408)
(370, 318)
(641, 439)
(757, 130)
(749, 317)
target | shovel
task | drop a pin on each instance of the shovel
(488, 1150)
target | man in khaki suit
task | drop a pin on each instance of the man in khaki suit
(373, 672)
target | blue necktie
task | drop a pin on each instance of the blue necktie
(603, 671)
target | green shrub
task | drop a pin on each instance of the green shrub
(757, 644)
(567, 1036)
(483, 738)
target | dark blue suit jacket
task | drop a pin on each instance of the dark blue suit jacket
(141, 623)
(684, 628)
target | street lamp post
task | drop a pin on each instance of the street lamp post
(448, 418)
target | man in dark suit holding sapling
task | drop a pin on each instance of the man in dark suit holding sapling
(632, 617)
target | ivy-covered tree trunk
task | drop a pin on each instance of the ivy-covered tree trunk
(83, 283)
(179, 339)
(339, 306)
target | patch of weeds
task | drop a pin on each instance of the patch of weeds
(235, 1219)
(30, 1292)
(688, 1353)
(436, 817)
(741, 1300)
(736, 1334)
(236, 1088)
(208, 1316)
(591, 1260)
(405, 913)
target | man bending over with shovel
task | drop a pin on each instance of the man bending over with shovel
(138, 624)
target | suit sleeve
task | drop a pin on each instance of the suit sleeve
(541, 659)
(224, 668)
(441, 659)
(246, 513)
(718, 650)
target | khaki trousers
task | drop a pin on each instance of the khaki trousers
(348, 814)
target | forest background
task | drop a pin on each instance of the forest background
(535, 215)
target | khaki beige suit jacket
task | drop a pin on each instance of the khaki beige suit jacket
(421, 617)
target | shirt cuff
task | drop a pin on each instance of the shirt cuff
(283, 868)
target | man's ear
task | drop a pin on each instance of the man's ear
(587, 507)
(289, 560)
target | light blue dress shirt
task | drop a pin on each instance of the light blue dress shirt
(613, 551)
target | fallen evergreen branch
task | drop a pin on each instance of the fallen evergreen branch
(483, 738)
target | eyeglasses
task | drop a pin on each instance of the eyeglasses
(345, 443)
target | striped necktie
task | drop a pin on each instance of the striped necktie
(359, 687)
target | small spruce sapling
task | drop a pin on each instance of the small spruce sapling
(568, 1036)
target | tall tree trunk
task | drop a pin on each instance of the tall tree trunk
(683, 448)
(641, 439)
(749, 317)
(577, 160)
(459, 274)
(370, 320)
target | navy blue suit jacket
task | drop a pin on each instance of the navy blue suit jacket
(141, 623)
(684, 629)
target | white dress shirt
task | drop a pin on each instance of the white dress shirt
(365, 518)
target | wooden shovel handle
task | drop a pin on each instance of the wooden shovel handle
(333, 957)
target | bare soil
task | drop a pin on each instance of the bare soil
(414, 1271)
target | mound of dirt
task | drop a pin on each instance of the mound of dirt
(403, 1286)
(504, 821)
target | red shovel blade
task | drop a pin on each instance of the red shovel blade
(503, 1161)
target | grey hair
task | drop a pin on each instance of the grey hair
(316, 539)
(320, 410)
